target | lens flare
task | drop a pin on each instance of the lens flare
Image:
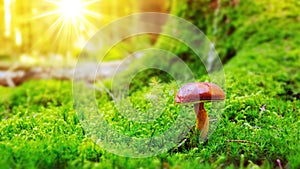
(67, 19)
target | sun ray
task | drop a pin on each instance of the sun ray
(50, 13)
(91, 13)
(87, 3)
(71, 21)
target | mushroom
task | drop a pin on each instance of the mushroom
(198, 93)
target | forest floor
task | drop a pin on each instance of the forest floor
(259, 126)
(18, 74)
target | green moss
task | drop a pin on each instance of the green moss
(260, 124)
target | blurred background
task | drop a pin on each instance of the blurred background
(35, 31)
(39, 37)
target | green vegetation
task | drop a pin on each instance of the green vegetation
(259, 127)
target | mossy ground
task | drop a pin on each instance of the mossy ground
(40, 129)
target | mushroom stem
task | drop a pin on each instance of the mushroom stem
(202, 120)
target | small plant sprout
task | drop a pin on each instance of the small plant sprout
(198, 93)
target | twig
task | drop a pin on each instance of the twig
(242, 141)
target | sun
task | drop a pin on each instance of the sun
(71, 9)
(70, 21)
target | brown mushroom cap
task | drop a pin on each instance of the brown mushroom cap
(198, 92)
